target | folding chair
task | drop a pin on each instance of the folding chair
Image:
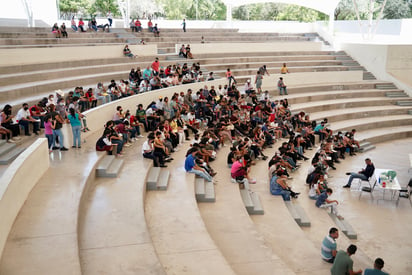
(370, 181)
(371, 186)
(405, 193)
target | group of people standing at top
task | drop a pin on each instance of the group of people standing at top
(263, 71)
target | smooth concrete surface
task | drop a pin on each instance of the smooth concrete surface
(179, 235)
(17, 182)
(254, 47)
(113, 236)
(232, 229)
(53, 54)
(44, 235)
(308, 78)
(399, 60)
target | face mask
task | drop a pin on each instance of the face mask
(26, 108)
(61, 104)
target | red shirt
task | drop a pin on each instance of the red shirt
(155, 66)
(137, 23)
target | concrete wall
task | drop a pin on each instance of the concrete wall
(255, 47)
(307, 78)
(387, 62)
(97, 117)
(17, 182)
(20, 56)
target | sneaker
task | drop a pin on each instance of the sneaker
(127, 145)
(79, 147)
(55, 148)
(346, 186)
(340, 217)
(252, 181)
(348, 173)
(163, 166)
(10, 141)
(265, 157)
(16, 138)
(73, 146)
(64, 149)
(140, 136)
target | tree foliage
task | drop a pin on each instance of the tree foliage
(394, 9)
(206, 9)
(397, 9)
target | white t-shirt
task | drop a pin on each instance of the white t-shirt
(22, 114)
(312, 191)
(146, 147)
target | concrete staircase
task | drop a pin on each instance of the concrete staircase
(109, 167)
(365, 146)
(298, 214)
(204, 190)
(252, 202)
(157, 178)
(8, 152)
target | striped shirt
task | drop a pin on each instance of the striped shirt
(328, 245)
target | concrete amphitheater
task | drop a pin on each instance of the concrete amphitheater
(60, 216)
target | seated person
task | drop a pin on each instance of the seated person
(364, 174)
(279, 186)
(192, 167)
(182, 51)
(328, 249)
(63, 30)
(24, 119)
(323, 202)
(56, 30)
(132, 25)
(240, 171)
(150, 26)
(73, 24)
(156, 31)
(104, 144)
(284, 69)
(127, 52)
(377, 268)
(81, 25)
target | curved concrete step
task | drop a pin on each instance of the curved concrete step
(385, 134)
(177, 230)
(230, 226)
(113, 235)
(43, 239)
(363, 124)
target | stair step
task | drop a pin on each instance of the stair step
(257, 205)
(247, 200)
(304, 219)
(292, 210)
(396, 94)
(152, 178)
(114, 168)
(356, 68)
(200, 189)
(385, 86)
(11, 155)
(404, 103)
(410, 112)
(163, 179)
(6, 147)
(210, 192)
(367, 148)
(2, 141)
(345, 227)
(103, 165)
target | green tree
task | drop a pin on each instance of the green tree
(103, 6)
(397, 9)
(206, 9)
(68, 8)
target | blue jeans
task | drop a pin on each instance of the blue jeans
(284, 193)
(49, 141)
(201, 174)
(282, 89)
(76, 135)
(119, 145)
(356, 176)
(25, 124)
(58, 133)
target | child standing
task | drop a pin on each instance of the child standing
(48, 131)
(76, 126)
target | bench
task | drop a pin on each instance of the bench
(157, 178)
(204, 190)
(252, 202)
(344, 226)
(410, 164)
(298, 214)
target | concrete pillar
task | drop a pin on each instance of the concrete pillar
(229, 12)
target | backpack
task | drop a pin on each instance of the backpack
(310, 177)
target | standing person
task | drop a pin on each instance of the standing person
(230, 77)
(343, 264)
(48, 132)
(282, 86)
(57, 122)
(110, 18)
(328, 249)
(76, 126)
(184, 25)
(377, 268)
(258, 82)
(155, 67)
(263, 70)
(364, 174)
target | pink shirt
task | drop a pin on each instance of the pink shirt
(235, 171)
(47, 128)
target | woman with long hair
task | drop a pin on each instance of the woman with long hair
(76, 126)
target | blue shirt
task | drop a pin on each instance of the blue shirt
(318, 128)
(74, 120)
(370, 271)
(321, 199)
(189, 163)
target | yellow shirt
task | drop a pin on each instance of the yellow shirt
(284, 70)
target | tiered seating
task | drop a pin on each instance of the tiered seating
(109, 167)
(121, 227)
